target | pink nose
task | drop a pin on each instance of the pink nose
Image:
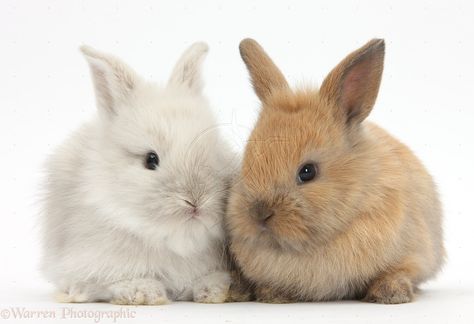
(194, 207)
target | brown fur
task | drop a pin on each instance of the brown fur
(368, 226)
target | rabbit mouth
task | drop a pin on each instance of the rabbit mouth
(272, 241)
(192, 209)
(283, 233)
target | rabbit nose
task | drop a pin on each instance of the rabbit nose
(193, 205)
(190, 203)
(261, 211)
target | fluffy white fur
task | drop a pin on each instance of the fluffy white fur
(117, 231)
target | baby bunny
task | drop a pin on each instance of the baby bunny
(329, 206)
(135, 199)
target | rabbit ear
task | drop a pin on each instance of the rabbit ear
(187, 71)
(266, 77)
(113, 80)
(353, 85)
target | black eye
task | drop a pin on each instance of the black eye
(151, 160)
(307, 172)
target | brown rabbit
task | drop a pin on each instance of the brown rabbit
(329, 206)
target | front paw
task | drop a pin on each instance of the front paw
(390, 290)
(210, 295)
(138, 292)
(269, 296)
(240, 290)
(212, 289)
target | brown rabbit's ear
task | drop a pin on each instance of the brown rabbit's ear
(266, 77)
(353, 85)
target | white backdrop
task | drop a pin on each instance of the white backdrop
(426, 100)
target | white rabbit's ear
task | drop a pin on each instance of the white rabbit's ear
(114, 81)
(187, 71)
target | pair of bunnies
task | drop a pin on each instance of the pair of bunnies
(146, 204)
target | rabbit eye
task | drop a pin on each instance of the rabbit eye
(307, 172)
(151, 160)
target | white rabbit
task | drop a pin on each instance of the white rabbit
(134, 200)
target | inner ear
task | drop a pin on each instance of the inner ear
(359, 90)
(104, 97)
(187, 71)
(353, 84)
(113, 80)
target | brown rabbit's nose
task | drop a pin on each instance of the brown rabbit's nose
(261, 211)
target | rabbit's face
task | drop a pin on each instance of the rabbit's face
(305, 167)
(166, 164)
(296, 177)
(160, 169)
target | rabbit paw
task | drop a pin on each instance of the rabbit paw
(71, 297)
(79, 293)
(391, 290)
(212, 288)
(268, 295)
(240, 289)
(138, 292)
